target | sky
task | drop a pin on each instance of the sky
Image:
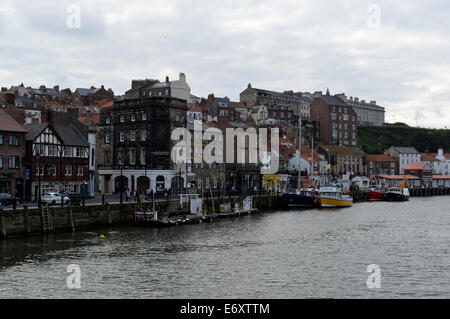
(394, 52)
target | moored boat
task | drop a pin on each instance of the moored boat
(304, 197)
(397, 194)
(334, 197)
(376, 194)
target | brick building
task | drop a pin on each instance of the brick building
(335, 120)
(134, 144)
(344, 159)
(12, 154)
(381, 164)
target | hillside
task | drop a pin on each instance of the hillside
(376, 139)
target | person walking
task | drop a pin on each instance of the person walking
(127, 195)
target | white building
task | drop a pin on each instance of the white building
(403, 156)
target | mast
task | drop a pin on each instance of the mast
(299, 147)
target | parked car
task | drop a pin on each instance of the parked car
(8, 199)
(53, 198)
(75, 199)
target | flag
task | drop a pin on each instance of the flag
(328, 167)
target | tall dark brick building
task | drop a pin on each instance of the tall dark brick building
(134, 144)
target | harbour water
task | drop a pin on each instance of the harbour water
(280, 254)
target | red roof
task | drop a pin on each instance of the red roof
(441, 176)
(380, 158)
(239, 105)
(199, 109)
(428, 158)
(416, 166)
(398, 177)
(7, 123)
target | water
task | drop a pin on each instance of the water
(281, 254)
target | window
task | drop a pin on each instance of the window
(78, 152)
(107, 138)
(51, 170)
(167, 92)
(132, 157)
(92, 157)
(1, 139)
(177, 117)
(333, 116)
(142, 155)
(14, 140)
(122, 118)
(144, 116)
(39, 170)
(107, 158)
(68, 170)
(143, 135)
(122, 136)
(120, 158)
(133, 117)
(80, 170)
(133, 136)
(52, 150)
(108, 120)
(1, 161)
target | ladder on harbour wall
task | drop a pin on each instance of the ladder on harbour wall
(46, 220)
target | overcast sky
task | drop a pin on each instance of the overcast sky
(394, 52)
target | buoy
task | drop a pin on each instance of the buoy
(102, 236)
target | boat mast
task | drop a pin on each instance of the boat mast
(299, 147)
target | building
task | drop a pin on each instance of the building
(134, 144)
(368, 113)
(12, 155)
(221, 110)
(253, 96)
(179, 89)
(423, 170)
(57, 155)
(335, 121)
(381, 164)
(90, 96)
(344, 159)
(403, 156)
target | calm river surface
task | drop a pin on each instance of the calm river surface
(280, 254)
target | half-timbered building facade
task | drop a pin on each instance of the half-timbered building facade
(57, 158)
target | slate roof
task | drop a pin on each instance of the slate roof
(7, 123)
(85, 92)
(333, 100)
(406, 150)
(68, 133)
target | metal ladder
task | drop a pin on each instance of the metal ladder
(47, 226)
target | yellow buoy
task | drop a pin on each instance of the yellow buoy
(102, 236)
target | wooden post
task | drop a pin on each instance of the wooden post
(108, 214)
(2, 225)
(70, 219)
(26, 220)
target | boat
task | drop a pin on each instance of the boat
(333, 197)
(376, 194)
(397, 194)
(304, 197)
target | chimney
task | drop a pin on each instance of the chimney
(363, 101)
(182, 77)
(318, 94)
(249, 86)
(56, 88)
(341, 96)
(103, 87)
(92, 87)
(42, 87)
(356, 99)
(211, 97)
(167, 79)
(373, 102)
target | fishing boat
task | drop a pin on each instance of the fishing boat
(376, 194)
(398, 194)
(304, 197)
(333, 197)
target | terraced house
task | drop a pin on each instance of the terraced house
(12, 154)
